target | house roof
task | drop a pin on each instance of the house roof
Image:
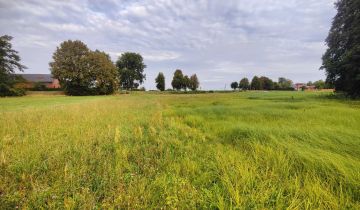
(37, 77)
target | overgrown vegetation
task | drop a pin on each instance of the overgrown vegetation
(248, 150)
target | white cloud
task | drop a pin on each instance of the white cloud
(218, 40)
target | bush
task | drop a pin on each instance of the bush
(39, 87)
(5, 90)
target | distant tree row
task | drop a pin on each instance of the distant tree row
(320, 84)
(180, 81)
(262, 83)
(84, 72)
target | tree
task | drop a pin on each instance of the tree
(256, 83)
(81, 71)
(244, 84)
(266, 83)
(131, 70)
(187, 82)
(285, 84)
(178, 80)
(341, 60)
(276, 86)
(68, 67)
(194, 82)
(103, 72)
(320, 84)
(234, 85)
(9, 62)
(160, 82)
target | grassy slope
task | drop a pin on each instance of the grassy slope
(255, 150)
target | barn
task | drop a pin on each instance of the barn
(30, 80)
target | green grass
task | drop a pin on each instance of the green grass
(272, 150)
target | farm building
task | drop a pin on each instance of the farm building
(32, 79)
(300, 86)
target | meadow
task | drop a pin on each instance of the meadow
(247, 150)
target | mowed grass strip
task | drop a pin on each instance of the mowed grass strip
(295, 150)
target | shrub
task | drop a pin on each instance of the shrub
(9, 91)
(39, 86)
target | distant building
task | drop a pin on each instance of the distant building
(32, 79)
(298, 86)
(301, 86)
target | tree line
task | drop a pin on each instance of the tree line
(262, 83)
(179, 81)
(82, 71)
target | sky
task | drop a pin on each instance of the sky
(219, 40)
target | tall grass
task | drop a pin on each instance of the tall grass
(243, 150)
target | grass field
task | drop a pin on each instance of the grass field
(296, 150)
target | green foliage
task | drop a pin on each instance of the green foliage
(256, 83)
(82, 71)
(244, 84)
(69, 67)
(6, 90)
(160, 81)
(131, 70)
(194, 82)
(39, 86)
(9, 62)
(319, 84)
(186, 82)
(285, 84)
(181, 81)
(104, 73)
(178, 80)
(341, 60)
(266, 83)
(234, 85)
(166, 151)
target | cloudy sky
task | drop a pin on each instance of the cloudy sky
(219, 40)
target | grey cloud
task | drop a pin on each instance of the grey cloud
(219, 40)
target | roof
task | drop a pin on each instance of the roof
(37, 77)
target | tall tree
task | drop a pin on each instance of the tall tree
(284, 84)
(104, 75)
(341, 61)
(82, 71)
(178, 80)
(69, 68)
(186, 82)
(194, 82)
(266, 83)
(256, 83)
(234, 85)
(9, 62)
(244, 83)
(160, 82)
(131, 70)
(320, 84)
